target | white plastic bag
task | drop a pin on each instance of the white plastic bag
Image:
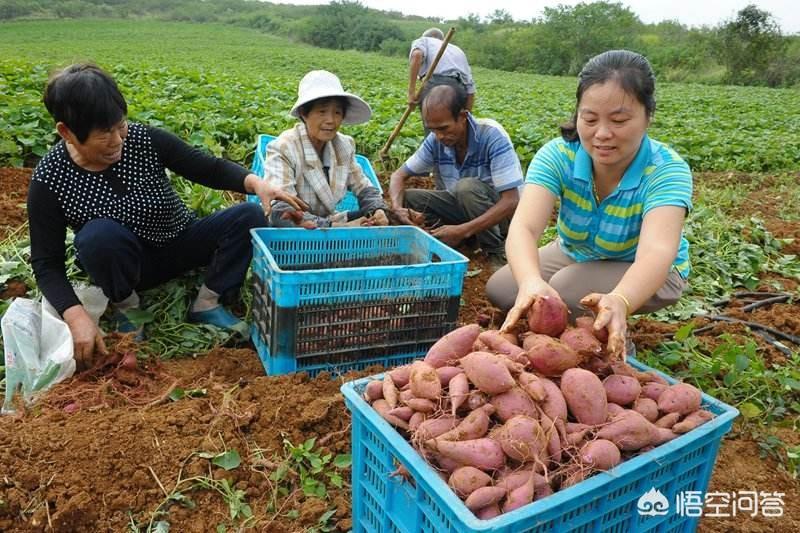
(38, 344)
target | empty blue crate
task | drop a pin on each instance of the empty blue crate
(346, 298)
(348, 203)
(607, 502)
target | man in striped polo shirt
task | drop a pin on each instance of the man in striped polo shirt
(476, 172)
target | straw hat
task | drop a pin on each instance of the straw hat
(323, 84)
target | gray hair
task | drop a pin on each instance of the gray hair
(436, 33)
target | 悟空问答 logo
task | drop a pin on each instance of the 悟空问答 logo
(652, 503)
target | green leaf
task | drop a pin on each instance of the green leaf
(228, 460)
(177, 394)
(749, 410)
(473, 273)
(684, 332)
(162, 526)
(742, 362)
(343, 460)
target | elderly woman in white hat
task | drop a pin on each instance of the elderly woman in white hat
(315, 162)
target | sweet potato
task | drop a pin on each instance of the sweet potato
(661, 435)
(668, 420)
(422, 405)
(484, 497)
(416, 419)
(484, 453)
(585, 396)
(554, 405)
(511, 337)
(553, 431)
(531, 384)
(614, 409)
(402, 412)
(551, 357)
(382, 408)
(522, 439)
(621, 390)
(647, 408)
(488, 372)
(497, 343)
(458, 390)
(692, 420)
(400, 375)
(446, 373)
(572, 427)
(653, 390)
(373, 391)
(522, 495)
(513, 402)
(548, 315)
(512, 479)
(424, 381)
(452, 346)
(577, 437)
(433, 427)
(467, 479)
(680, 398)
(582, 342)
(390, 392)
(587, 323)
(489, 512)
(629, 430)
(474, 426)
(532, 338)
(476, 399)
(600, 454)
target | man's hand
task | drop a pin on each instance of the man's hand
(267, 193)
(407, 217)
(451, 235)
(86, 338)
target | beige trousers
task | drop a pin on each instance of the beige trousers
(575, 280)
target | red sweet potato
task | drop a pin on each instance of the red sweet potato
(402, 412)
(433, 427)
(467, 479)
(629, 430)
(400, 375)
(425, 381)
(622, 390)
(553, 432)
(582, 342)
(532, 338)
(661, 435)
(446, 373)
(522, 439)
(653, 390)
(587, 323)
(614, 409)
(489, 512)
(531, 384)
(554, 405)
(522, 495)
(474, 426)
(497, 343)
(373, 391)
(452, 346)
(422, 405)
(585, 396)
(600, 454)
(513, 402)
(484, 453)
(416, 419)
(552, 357)
(548, 315)
(647, 408)
(382, 408)
(668, 420)
(476, 399)
(680, 398)
(390, 392)
(484, 497)
(458, 390)
(488, 372)
(692, 420)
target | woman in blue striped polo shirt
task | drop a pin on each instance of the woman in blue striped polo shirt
(623, 200)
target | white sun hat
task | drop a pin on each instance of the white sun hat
(323, 84)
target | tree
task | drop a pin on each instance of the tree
(750, 43)
(572, 35)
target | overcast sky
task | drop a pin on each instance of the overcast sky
(688, 12)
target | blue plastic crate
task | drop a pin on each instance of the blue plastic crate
(348, 203)
(605, 502)
(345, 298)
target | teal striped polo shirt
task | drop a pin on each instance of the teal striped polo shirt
(656, 177)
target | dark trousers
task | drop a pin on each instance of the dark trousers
(470, 199)
(119, 262)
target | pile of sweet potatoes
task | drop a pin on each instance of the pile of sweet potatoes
(508, 419)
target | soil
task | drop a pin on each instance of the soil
(105, 449)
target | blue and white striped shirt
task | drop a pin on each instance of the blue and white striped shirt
(656, 177)
(490, 157)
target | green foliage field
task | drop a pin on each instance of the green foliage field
(219, 86)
